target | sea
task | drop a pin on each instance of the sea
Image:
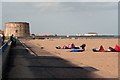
(75, 37)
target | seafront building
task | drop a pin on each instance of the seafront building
(91, 34)
(88, 34)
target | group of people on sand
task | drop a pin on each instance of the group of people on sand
(72, 46)
(82, 48)
(110, 49)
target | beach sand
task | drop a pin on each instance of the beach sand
(106, 63)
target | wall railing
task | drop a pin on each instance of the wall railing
(4, 51)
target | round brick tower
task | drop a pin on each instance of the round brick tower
(19, 29)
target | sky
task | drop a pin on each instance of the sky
(64, 17)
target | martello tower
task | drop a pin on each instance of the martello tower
(19, 29)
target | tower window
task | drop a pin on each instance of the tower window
(16, 31)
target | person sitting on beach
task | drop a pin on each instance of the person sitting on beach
(69, 46)
(111, 49)
(58, 47)
(83, 46)
(101, 49)
(116, 49)
(72, 45)
(66, 47)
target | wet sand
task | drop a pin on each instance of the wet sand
(106, 63)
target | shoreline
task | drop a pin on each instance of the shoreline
(77, 37)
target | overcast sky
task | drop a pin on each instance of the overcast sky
(64, 17)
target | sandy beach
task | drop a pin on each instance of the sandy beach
(105, 63)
